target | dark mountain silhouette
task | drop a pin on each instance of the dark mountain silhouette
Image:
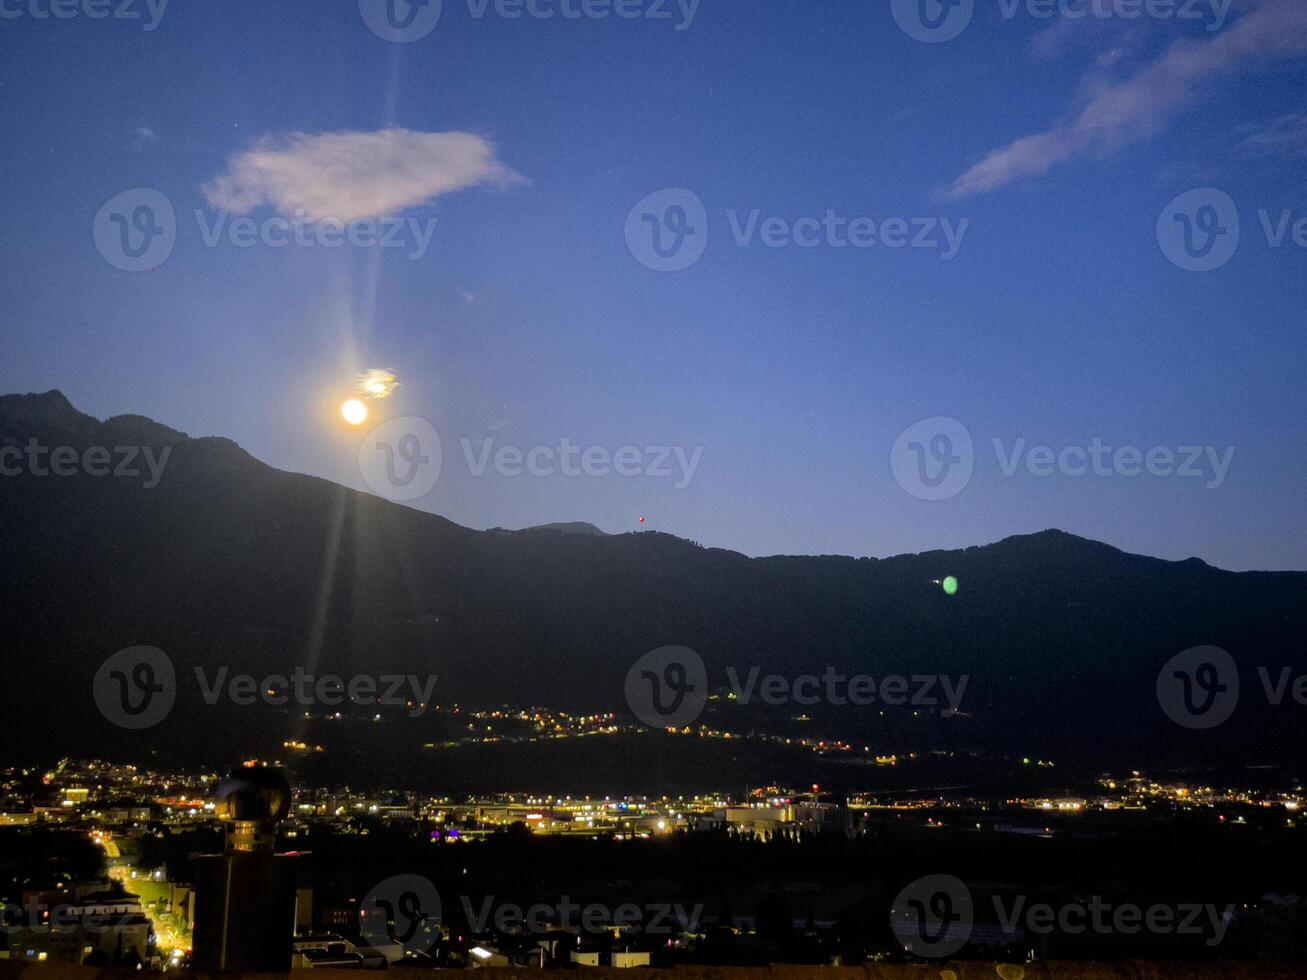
(573, 527)
(230, 562)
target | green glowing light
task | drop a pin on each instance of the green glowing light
(951, 586)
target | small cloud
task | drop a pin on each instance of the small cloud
(468, 297)
(1119, 112)
(1283, 137)
(141, 137)
(376, 384)
(349, 176)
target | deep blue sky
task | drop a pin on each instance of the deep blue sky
(1060, 320)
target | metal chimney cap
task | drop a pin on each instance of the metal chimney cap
(256, 793)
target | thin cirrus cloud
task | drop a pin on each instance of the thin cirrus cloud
(1285, 136)
(1118, 113)
(141, 137)
(349, 176)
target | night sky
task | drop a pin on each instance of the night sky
(1053, 146)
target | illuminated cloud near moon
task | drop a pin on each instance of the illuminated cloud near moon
(376, 384)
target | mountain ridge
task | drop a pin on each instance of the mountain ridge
(53, 406)
(231, 563)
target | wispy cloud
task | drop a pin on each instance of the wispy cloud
(1120, 112)
(141, 137)
(1285, 136)
(349, 176)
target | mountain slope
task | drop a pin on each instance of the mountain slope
(229, 562)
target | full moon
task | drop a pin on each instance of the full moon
(354, 412)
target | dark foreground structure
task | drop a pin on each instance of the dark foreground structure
(1125, 970)
(245, 897)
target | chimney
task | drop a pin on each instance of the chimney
(245, 897)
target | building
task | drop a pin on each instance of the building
(805, 816)
(337, 953)
(629, 958)
(483, 955)
(88, 923)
